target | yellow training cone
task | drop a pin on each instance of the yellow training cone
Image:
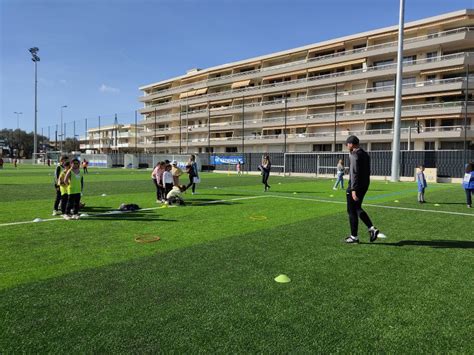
(283, 279)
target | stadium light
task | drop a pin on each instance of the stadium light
(395, 176)
(35, 59)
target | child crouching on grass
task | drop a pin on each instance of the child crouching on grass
(74, 189)
(421, 180)
(62, 183)
(174, 196)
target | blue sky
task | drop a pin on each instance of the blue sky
(96, 53)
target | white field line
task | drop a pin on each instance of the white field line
(377, 206)
(112, 212)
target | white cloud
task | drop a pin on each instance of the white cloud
(108, 89)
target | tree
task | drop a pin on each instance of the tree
(21, 142)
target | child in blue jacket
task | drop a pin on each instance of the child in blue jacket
(468, 183)
(421, 180)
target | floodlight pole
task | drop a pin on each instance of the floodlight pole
(335, 115)
(35, 59)
(243, 126)
(286, 118)
(180, 121)
(466, 102)
(209, 132)
(395, 176)
(136, 134)
(62, 132)
(154, 135)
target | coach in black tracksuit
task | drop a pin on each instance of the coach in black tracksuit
(359, 181)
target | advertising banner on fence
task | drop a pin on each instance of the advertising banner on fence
(224, 160)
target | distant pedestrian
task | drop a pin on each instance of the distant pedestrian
(265, 168)
(421, 181)
(359, 181)
(340, 175)
(1, 163)
(85, 165)
(238, 168)
(15, 163)
(192, 170)
(468, 183)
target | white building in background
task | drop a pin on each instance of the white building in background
(117, 138)
(313, 97)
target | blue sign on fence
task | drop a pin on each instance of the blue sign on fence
(224, 160)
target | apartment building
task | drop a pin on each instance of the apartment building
(311, 98)
(117, 138)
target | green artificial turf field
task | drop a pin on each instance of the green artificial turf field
(208, 284)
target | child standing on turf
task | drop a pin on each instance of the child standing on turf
(167, 180)
(57, 172)
(468, 183)
(74, 189)
(340, 175)
(62, 187)
(238, 167)
(154, 178)
(421, 181)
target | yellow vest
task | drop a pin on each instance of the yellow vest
(62, 183)
(74, 186)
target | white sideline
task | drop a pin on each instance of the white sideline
(379, 206)
(119, 212)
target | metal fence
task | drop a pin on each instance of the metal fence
(450, 163)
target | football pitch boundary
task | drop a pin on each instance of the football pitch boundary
(111, 212)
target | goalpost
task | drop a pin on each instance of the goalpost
(321, 164)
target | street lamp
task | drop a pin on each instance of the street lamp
(62, 132)
(18, 128)
(36, 59)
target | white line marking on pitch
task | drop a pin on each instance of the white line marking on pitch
(119, 212)
(379, 206)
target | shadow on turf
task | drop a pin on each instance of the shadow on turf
(438, 244)
(131, 216)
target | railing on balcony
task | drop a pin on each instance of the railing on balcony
(206, 98)
(312, 117)
(326, 134)
(328, 56)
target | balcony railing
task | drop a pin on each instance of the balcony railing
(326, 134)
(328, 56)
(316, 78)
(312, 118)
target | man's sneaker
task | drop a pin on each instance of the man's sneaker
(56, 213)
(66, 217)
(374, 233)
(76, 216)
(469, 206)
(334, 188)
(351, 240)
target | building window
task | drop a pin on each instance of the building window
(358, 107)
(359, 47)
(322, 147)
(429, 145)
(430, 56)
(231, 149)
(451, 145)
(381, 146)
(338, 148)
(409, 59)
(411, 81)
(381, 84)
(404, 145)
(383, 62)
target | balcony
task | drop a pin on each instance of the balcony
(450, 36)
(374, 135)
(328, 79)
